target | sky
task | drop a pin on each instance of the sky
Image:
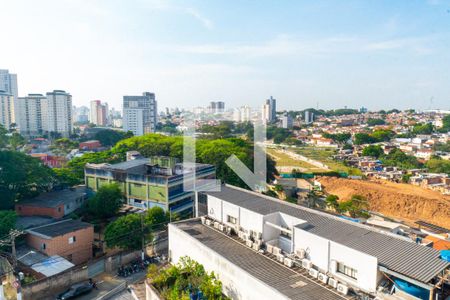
(325, 54)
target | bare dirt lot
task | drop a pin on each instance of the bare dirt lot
(403, 201)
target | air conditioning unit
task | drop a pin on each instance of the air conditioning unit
(256, 246)
(216, 225)
(259, 235)
(280, 258)
(342, 288)
(203, 219)
(229, 230)
(300, 253)
(322, 277)
(313, 273)
(208, 222)
(221, 227)
(249, 243)
(288, 262)
(307, 264)
(333, 282)
(276, 251)
(269, 248)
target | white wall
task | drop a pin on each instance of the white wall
(237, 284)
(214, 208)
(229, 209)
(251, 221)
(316, 247)
(366, 265)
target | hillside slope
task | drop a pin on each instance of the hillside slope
(403, 201)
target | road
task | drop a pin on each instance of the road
(105, 284)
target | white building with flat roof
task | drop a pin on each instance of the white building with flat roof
(31, 114)
(7, 109)
(140, 113)
(59, 112)
(347, 259)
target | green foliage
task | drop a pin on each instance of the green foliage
(446, 123)
(399, 159)
(375, 122)
(406, 178)
(76, 165)
(355, 207)
(22, 176)
(442, 147)
(373, 151)
(364, 138)
(124, 233)
(278, 188)
(65, 177)
(109, 137)
(8, 220)
(438, 166)
(63, 146)
(332, 201)
(155, 218)
(185, 278)
(106, 202)
(214, 152)
(423, 128)
(339, 138)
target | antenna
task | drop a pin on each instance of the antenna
(431, 102)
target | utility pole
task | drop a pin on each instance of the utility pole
(11, 241)
(143, 237)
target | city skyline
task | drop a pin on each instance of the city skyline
(304, 54)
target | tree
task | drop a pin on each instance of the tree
(8, 220)
(106, 202)
(63, 146)
(332, 201)
(22, 176)
(109, 137)
(16, 140)
(438, 166)
(423, 128)
(65, 177)
(399, 159)
(373, 151)
(446, 123)
(156, 218)
(364, 138)
(124, 233)
(375, 122)
(3, 137)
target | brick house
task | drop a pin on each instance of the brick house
(56, 204)
(71, 239)
(90, 145)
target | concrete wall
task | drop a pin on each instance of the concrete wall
(366, 265)
(30, 210)
(237, 284)
(317, 248)
(215, 208)
(251, 221)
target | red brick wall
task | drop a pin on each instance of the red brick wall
(26, 210)
(78, 252)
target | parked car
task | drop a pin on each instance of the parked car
(75, 291)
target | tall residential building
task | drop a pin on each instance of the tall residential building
(59, 112)
(81, 114)
(99, 113)
(286, 121)
(31, 114)
(7, 111)
(309, 117)
(140, 113)
(8, 83)
(216, 107)
(269, 110)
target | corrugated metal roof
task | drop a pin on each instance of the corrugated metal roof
(404, 257)
(261, 267)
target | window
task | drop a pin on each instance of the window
(350, 272)
(286, 234)
(72, 239)
(43, 246)
(231, 219)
